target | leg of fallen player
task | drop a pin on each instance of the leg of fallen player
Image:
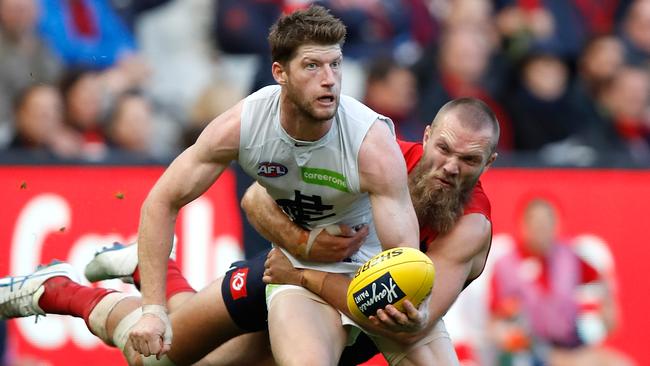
(201, 323)
(247, 349)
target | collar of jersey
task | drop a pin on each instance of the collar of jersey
(308, 144)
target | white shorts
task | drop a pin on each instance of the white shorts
(438, 339)
(275, 291)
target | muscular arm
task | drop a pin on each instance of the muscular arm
(383, 175)
(274, 225)
(271, 222)
(458, 255)
(188, 176)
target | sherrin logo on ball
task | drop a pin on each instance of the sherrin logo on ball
(390, 277)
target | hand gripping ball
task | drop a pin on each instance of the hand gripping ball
(390, 277)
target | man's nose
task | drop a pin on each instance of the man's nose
(329, 78)
(451, 167)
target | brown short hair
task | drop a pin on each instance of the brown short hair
(312, 25)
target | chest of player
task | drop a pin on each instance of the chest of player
(310, 183)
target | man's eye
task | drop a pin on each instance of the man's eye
(471, 161)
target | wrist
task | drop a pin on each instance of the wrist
(155, 309)
(312, 280)
(300, 249)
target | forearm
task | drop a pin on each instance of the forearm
(332, 287)
(272, 223)
(154, 245)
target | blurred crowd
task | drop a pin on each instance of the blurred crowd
(86, 80)
(553, 300)
(137, 80)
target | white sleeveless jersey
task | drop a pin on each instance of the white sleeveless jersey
(315, 182)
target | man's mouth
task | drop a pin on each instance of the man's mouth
(326, 99)
(446, 182)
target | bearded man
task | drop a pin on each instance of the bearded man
(454, 218)
(455, 232)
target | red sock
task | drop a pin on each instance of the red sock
(136, 277)
(64, 296)
(176, 282)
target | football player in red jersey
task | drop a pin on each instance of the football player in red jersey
(453, 213)
(454, 216)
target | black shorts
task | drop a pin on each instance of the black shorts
(244, 294)
(361, 351)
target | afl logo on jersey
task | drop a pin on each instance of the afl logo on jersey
(271, 170)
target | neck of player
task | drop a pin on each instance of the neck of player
(300, 125)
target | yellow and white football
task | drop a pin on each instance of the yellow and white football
(390, 277)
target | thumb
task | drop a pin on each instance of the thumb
(165, 348)
(341, 230)
(167, 337)
(336, 229)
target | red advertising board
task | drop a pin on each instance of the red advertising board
(68, 212)
(608, 204)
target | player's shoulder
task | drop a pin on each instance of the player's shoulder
(264, 93)
(379, 142)
(230, 118)
(474, 231)
(479, 202)
(223, 131)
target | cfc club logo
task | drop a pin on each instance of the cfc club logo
(238, 283)
(271, 170)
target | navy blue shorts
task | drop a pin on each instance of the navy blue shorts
(244, 293)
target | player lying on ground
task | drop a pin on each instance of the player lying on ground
(455, 235)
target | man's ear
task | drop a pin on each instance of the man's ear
(491, 160)
(426, 136)
(279, 73)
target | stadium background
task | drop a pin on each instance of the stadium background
(66, 206)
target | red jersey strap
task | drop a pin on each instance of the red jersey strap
(479, 203)
(412, 152)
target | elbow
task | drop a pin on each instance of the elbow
(246, 201)
(251, 199)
